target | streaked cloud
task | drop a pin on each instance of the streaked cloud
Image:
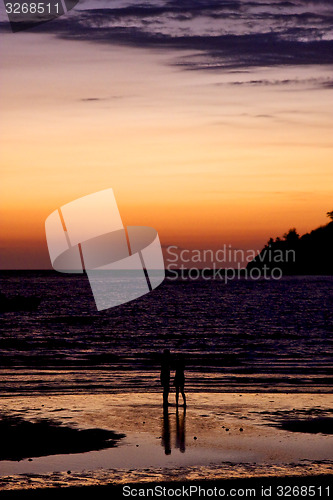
(101, 99)
(309, 83)
(218, 35)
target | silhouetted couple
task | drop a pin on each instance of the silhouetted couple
(179, 380)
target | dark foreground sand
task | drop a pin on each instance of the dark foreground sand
(318, 487)
(22, 439)
(65, 445)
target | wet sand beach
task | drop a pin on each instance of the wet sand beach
(220, 436)
(319, 486)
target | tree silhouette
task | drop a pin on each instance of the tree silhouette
(291, 237)
(312, 252)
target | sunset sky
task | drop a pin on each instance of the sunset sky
(211, 120)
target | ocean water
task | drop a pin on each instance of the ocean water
(248, 336)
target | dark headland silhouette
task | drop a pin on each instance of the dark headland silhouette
(311, 253)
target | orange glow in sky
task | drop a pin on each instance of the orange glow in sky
(202, 160)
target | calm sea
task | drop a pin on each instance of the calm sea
(240, 336)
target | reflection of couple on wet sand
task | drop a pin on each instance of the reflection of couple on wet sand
(180, 431)
(179, 380)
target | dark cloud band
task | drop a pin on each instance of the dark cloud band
(218, 34)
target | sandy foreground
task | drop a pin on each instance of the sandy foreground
(219, 436)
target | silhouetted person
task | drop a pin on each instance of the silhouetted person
(180, 430)
(165, 376)
(166, 431)
(179, 380)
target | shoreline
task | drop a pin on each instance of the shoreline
(317, 486)
(219, 436)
